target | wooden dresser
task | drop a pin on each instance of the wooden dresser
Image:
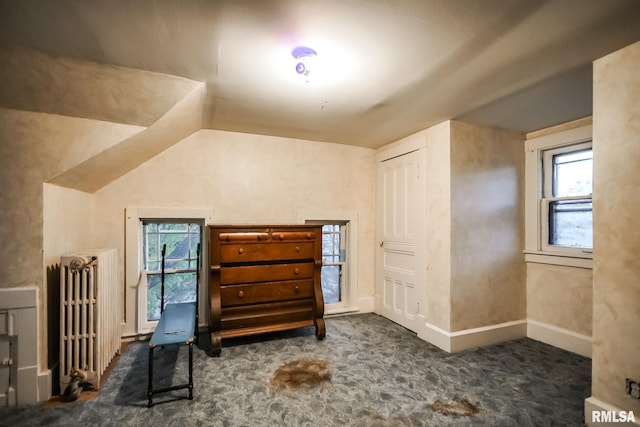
(264, 279)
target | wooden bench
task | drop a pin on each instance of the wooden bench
(176, 326)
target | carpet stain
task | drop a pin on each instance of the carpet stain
(305, 372)
(457, 408)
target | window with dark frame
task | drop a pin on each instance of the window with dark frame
(181, 262)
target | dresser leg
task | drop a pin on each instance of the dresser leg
(216, 344)
(320, 329)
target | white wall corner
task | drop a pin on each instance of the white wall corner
(44, 385)
(366, 305)
(377, 304)
(560, 337)
(436, 336)
(595, 411)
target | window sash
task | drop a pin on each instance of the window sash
(153, 231)
(547, 229)
(328, 298)
(548, 164)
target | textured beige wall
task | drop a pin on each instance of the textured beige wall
(66, 222)
(247, 178)
(66, 228)
(616, 246)
(560, 296)
(33, 148)
(438, 219)
(487, 226)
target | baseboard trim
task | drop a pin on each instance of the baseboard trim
(476, 337)
(592, 404)
(559, 337)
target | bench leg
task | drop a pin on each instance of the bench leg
(191, 371)
(150, 384)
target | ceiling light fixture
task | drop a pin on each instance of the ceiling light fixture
(305, 57)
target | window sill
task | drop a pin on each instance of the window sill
(572, 260)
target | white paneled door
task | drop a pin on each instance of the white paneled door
(401, 238)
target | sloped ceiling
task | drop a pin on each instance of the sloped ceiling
(386, 68)
(45, 83)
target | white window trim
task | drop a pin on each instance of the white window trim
(350, 303)
(535, 250)
(134, 276)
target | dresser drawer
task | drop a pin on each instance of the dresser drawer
(262, 234)
(266, 314)
(265, 292)
(253, 252)
(266, 273)
(279, 235)
(247, 236)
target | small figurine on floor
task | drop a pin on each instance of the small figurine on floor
(77, 384)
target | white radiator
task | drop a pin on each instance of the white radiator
(90, 313)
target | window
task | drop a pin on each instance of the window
(333, 262)
(181, 262)
(558, 207)
(339, 260)
(566, 202)
(137, 273)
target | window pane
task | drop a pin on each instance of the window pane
(178, 287)
(181, 240)
(573, 173)
(327, 244)
(172, 227)
(571, 223)
(331, 283)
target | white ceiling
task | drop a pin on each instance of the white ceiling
(389, 67)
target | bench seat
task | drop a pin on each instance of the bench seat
(177, 325)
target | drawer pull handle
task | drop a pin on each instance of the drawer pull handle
(281, 236)
(297, 248)
(296, 271)
(240, 251)
(241, 294)
(296, 289)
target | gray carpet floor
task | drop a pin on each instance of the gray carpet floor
(381, 375)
